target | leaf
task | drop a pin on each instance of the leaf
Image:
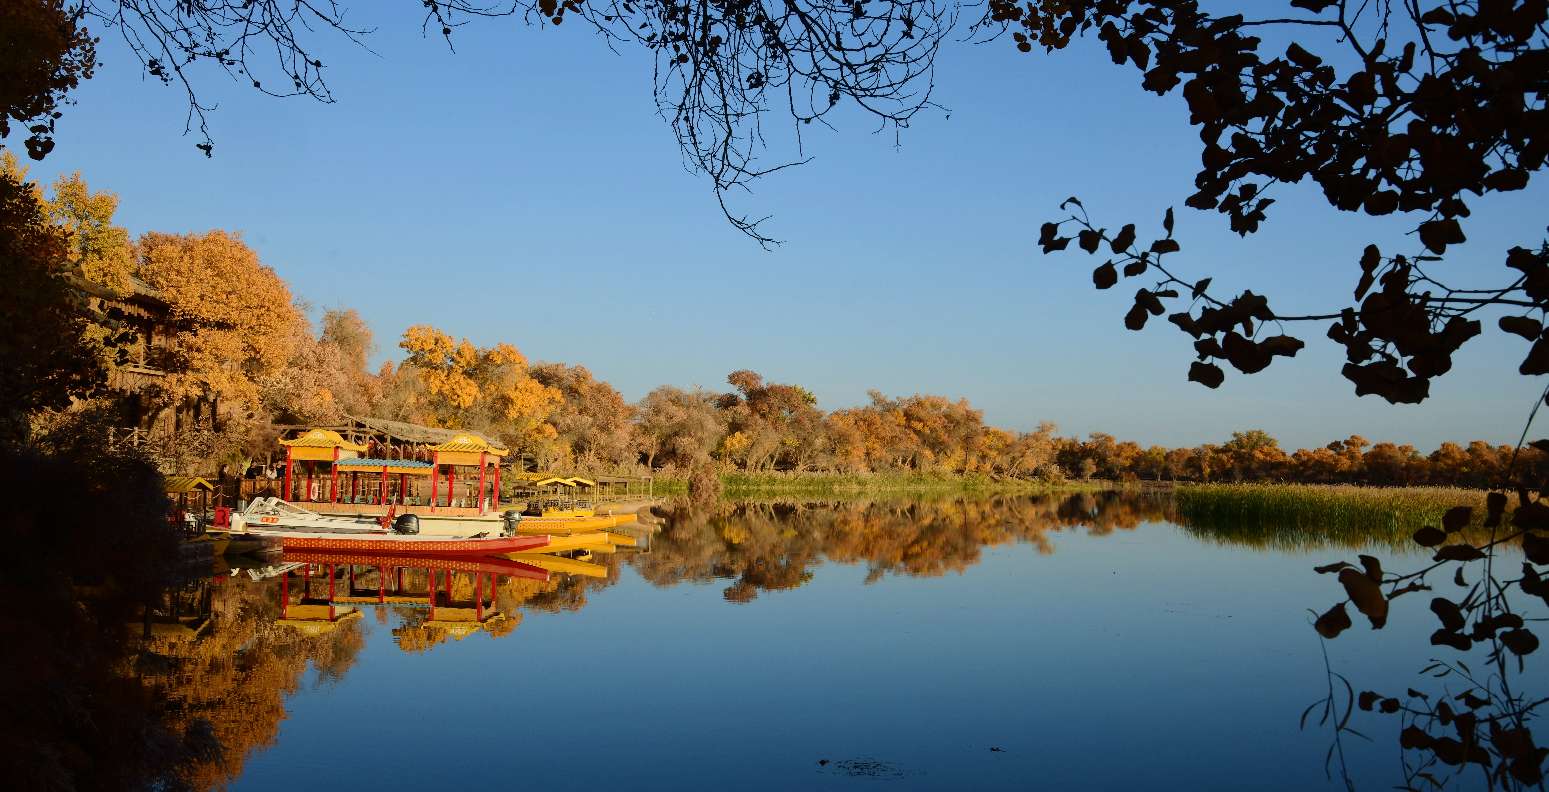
(1448, 638)
(1208, 374)
(1456, 518)
(1366, 596)
(1527, 327)
(1167, 221)
(1436, 235)
(1162, 246)
(1521, 641)
(1449, 613)
(1334, 621)
(1124, 239)
(1105, 276)
(1458, 552)
(1199, 288)
(1089, 239)
(1430, 536)
(1334, 567)
(1535, 548)
(1372, 566)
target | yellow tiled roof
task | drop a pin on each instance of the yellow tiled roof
(470, 442)
(177, 485)
(322, 438)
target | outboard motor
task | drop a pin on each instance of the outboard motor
(511, 517)
(406, 524)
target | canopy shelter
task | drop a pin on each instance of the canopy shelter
(463, 451)
(390, 466)
(556, 490)
(311, 449)
(549, 494)
(190, 495)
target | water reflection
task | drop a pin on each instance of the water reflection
(190, 685)
(768, 546)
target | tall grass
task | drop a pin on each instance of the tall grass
(813, 484)
(1312, 515)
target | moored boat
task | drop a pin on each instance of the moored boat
(300, 530)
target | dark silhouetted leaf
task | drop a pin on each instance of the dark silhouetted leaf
(1450, 614)
(1366, 596)
(1524, 326)
(1458, 552)
(1124, 239)
(1372, 566)
(1208, 374)
(1334, 621)
(1430, 536)
(1105, 276)
(1456, 518)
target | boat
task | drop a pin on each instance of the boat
(561, 564)
(300, 530)
(502, 566)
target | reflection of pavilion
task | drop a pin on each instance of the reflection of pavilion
(182, 615)
(354, 579)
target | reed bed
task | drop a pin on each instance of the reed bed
(815, 484)
(1314, 515)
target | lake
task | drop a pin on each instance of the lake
(1055, 642)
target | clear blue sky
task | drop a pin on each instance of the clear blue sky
(524, 190)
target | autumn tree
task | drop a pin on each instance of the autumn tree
(677, 427)
(592, 421)
(42, 321)
(44, 54)
(326, 378)
(455, 384)
(235, 318)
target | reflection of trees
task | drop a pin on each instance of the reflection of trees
(767, 546)
(232, 678)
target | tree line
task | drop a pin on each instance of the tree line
(238, 355)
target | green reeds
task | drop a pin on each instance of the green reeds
(1305, 516)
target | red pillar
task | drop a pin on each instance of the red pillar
(381, 584)
(381, 492)
(481, 482)
(435, 462)
(478, 597)
(497, 484)
(403, 488)
(449, 586)
(333, 483)
(430, 574)
(309, 480)
(451, 483)
(354, 486)
(289, 453)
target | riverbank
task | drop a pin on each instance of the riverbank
(813, 484)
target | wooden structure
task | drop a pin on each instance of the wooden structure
(350, 580)
(459, 474)
(190, 496)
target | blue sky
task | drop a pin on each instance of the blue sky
(524, 190)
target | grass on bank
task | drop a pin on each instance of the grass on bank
(1291, 515)
(738, 484)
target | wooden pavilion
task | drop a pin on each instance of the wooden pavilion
(374, 465)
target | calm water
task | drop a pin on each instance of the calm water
(1085, 642)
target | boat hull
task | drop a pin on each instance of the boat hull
(402, 545)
